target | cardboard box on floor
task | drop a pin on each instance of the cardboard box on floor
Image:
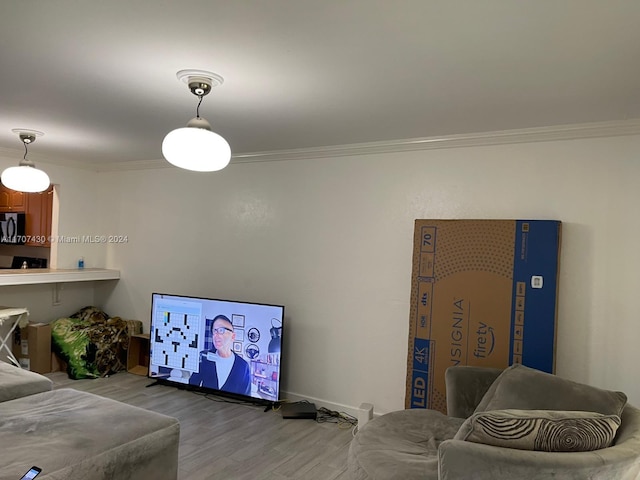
(138, 354)
(483, 293)
(34, 349)
(57, 364)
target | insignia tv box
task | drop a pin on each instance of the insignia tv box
(483, 293)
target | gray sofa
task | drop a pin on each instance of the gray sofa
(77, 435)
(16, 382)
(511, 424)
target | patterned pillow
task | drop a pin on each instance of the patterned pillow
(542, 430)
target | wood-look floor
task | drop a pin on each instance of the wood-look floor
(228, 441)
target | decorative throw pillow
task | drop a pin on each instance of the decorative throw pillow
(524, 388)
(542, 430)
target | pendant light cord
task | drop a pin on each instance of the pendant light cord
(25, 151)
(197, 108)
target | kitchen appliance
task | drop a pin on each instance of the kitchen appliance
(12, 228)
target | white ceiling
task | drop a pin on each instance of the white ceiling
(99, 77)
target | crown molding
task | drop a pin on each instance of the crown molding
(41, 158)
(501, 137)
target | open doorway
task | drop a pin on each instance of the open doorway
(33, 244)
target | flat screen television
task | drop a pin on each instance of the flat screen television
(216, 346)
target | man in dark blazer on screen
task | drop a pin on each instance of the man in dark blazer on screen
(223, 369)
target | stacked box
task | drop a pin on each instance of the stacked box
(33, 350)
(483, 293)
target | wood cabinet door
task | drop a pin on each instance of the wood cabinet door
(11, 201)
(38, 210)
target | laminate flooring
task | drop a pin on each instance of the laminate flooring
(231, 441)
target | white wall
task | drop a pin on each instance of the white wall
(39, 301)
(331, 239)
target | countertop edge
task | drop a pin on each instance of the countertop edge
(46, 275)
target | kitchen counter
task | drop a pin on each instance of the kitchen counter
(31, 276)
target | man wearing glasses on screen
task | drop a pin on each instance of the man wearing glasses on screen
(222, 369)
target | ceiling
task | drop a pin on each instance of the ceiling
(99, 77)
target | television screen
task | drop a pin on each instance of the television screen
(217, 346)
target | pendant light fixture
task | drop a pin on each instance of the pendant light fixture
(196, 147)
(26, 177)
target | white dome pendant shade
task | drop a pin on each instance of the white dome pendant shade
(26, 177)
(196, 147)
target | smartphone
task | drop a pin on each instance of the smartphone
(32, 473)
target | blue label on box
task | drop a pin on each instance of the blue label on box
(419, 389)
(420, 381)
(421, 355)
(534, 293)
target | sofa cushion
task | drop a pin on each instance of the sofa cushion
(78, 435)
(16, 382)
(542, 430)
(523, 388)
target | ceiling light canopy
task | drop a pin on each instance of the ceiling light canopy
(26, 177)
(196, 147)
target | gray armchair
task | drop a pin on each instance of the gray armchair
(425, 444)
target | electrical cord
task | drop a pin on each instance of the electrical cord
(344, 420)
(324, 415)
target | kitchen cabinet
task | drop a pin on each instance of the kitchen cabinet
(11, 201)
(38, 207)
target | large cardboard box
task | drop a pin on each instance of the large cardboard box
(33, 350)
(483, 293)
(138, 354)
